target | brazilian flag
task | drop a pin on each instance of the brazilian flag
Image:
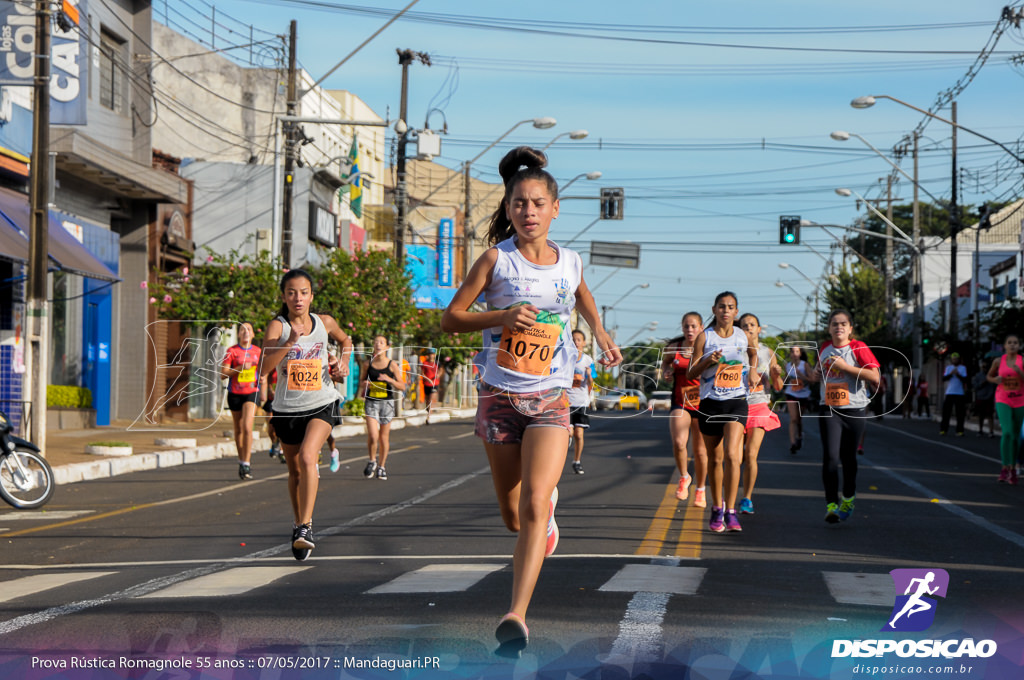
(353, 180)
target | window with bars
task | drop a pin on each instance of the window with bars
(113, 65)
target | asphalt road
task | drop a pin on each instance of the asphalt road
(191, 564)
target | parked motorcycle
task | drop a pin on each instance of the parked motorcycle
(26, 479)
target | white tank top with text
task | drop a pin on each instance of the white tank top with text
(728, 378)
(303, 375)
(541, 357)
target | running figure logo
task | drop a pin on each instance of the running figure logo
(913, 609)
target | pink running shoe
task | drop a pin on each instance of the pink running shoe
(700, 498)
(552, 525)
(732, 522)
(683, 492)
(1004, 476)
(1013, 477)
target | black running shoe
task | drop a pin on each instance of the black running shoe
(244, 471)
(302, 537)
(301, 554)
(370, 470)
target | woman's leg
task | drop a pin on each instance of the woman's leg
(542, 453)
(236, 423)
(713, 445)
(700, 454)
(384, 444)
(679, 430)
(733, 456)
(796, 430)
(854, 427)
(831, 428)
(303, 475)
(243, 439)
(372, 437)
(751, 447)
(1008, 440)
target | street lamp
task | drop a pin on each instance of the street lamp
(574, 134)
(807, 300)
(605, 308)
(954, 212)
(596, 174)
(653, 325)
(817, 286)
(843, 243)
(869, 101)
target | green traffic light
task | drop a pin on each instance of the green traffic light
(789, 238)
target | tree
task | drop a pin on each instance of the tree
(861, 291)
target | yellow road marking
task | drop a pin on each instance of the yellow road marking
(688, 543)
(654, 539)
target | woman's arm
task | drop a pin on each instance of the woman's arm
(397, 383)
(272, 351)
(458, 319)
(340, 370)
(698, 362)
(585, 305)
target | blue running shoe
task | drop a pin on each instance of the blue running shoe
(832, 513)
(846, 508)
(747, 506)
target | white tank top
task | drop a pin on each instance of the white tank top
(303, 375)
(541, 357)
(728, 378)
(762, 394)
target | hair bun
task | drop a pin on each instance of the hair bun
(519, 158)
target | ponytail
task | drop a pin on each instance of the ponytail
(520, 163)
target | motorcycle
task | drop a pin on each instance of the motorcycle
(26, 479)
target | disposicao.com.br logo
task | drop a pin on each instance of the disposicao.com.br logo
(913, 610)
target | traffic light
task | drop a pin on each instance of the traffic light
(789, 230)
(612, 203)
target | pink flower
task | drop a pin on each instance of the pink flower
(447, 358)
(209, 258)
(284, 269)
(152, 300)
(167, 298)
(144, 285)
(355, 294)
(351, 325)
(185, 271)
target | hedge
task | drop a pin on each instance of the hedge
(68, 396)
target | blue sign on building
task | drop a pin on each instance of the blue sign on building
(445, 254)
(69, 63)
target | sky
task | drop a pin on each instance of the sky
(713, 117)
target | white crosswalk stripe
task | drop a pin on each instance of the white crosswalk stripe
(850, 588)
(843, 587)
(37, 583)
(438, 578)
(223, 583)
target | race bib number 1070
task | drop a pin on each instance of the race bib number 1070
(530, 350)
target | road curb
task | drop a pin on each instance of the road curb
(112, 467)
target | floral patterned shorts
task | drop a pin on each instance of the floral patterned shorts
(502, 417)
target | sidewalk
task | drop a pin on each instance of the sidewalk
(171, 444)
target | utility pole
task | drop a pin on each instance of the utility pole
(890, 305)
(401, 199)
(469, 234)
(916, 290)
(954, 228)
(39, 190)
(290, 152)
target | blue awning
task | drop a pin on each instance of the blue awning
(64, 249)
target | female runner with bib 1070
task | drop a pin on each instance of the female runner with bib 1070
(530, 286)
(305, 402)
